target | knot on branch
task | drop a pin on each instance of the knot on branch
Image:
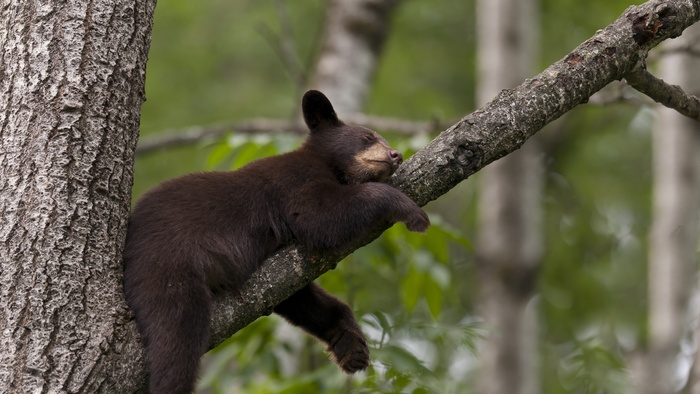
(466, 159)
(646, 27)
(573, 59)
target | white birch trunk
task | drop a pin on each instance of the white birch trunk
(509, 244)
(674, 233)
(353, 38)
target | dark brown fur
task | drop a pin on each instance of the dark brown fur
(202, 233)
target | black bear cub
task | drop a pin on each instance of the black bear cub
(203, 233)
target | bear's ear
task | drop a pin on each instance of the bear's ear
(318, 110)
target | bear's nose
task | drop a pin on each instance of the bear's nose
(396, 157)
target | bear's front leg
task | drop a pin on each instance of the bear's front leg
(331, 321)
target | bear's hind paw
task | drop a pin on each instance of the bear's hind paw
(350, 351)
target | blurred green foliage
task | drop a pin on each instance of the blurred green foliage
(414, 294)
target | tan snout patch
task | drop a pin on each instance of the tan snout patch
(374, 163)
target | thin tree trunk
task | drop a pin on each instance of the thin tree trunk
(71, 89)
(674, 233)
(353, 38)
(509, 244)
(345, 66)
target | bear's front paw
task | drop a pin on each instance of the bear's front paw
(408, 212)
(349, 350)
(418, 221)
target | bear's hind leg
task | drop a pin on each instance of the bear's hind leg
(331, 321)
(174, 324)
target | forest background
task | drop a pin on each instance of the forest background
(417, 296)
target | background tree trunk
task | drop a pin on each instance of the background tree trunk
(71, 89)
(674, 233)
(353, 37)
(509, 241)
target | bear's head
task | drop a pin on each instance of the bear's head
(355, 153)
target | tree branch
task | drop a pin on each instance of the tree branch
(190, 135)
(173, 138)
(671, 96)
(501, 127)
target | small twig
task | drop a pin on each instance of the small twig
(671, 96)
(190, 135)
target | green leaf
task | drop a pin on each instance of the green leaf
(434, 297)
(411, 288)
(401, 362)
(218, 154)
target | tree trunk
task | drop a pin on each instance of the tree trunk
(674, 233)
(71, 89)
(509, 242)
(353, 37)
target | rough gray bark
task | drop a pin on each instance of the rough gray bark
(674, 232)
(671, 96)
(71, 88)
(508, 247)
(353, 37)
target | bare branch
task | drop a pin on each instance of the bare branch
(190, 135)
(671, 96)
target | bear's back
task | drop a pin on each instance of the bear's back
(222, 219)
